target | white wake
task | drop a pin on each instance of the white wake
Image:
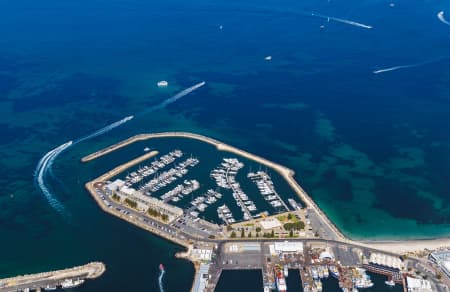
(105, 129)
(174, 98)
(341, 20)
(160, 280)
(41, 171)
(44, 165)
(441, 17)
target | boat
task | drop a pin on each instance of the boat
(294, 204)
(146, 149)
(268, 58)
(280, 281)
(390, 283)
(70, 283)
(286, 271)
(334, 271)
(162, 83)
(50, 288)
(161, 267)
(318, 285)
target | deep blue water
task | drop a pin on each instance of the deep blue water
(372, 149)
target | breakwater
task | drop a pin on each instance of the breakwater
(53, 278)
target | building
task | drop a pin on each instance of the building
(201, 254)
(442, 259)
(201, 279)
(286, 247)
(114, 186)
(143, 202)
(270, 223)
(418, 285)
(384, 260)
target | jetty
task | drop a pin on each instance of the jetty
(50, 280)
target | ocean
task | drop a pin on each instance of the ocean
(371, 149)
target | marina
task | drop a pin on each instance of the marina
(247, 236)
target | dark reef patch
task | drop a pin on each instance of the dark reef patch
(75, 88)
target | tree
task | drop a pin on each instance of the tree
(233, 234)
(258, 229)
(229, 228)
(289, 216)
(291, 233)
(249, 235)
(242, 232)
(272, 234)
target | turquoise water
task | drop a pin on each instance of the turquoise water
(373, 150)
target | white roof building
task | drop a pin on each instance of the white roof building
(287, 247)
(386, 260)
(114, 186)
(418, 285)
(270, 223)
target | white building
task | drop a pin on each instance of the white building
(418, 285)
(270, 223)
(143, 202)
(386, 261)
(201, 254)
(286, 247)
(114, 186)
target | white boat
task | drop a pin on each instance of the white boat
(69, 283)
(268, 58)
(390, 283)
(146, 149)
(162, 83)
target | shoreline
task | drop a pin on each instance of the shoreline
(392, 245)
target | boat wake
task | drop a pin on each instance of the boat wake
(160, 280)
(341, 20)
(105, 129)
(394, 68)
(174, 98)
(384, 70)
(41, 171)
(441, 17)
(44, 166)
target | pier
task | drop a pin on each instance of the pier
(53, 279)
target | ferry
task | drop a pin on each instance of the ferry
(279, 279)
